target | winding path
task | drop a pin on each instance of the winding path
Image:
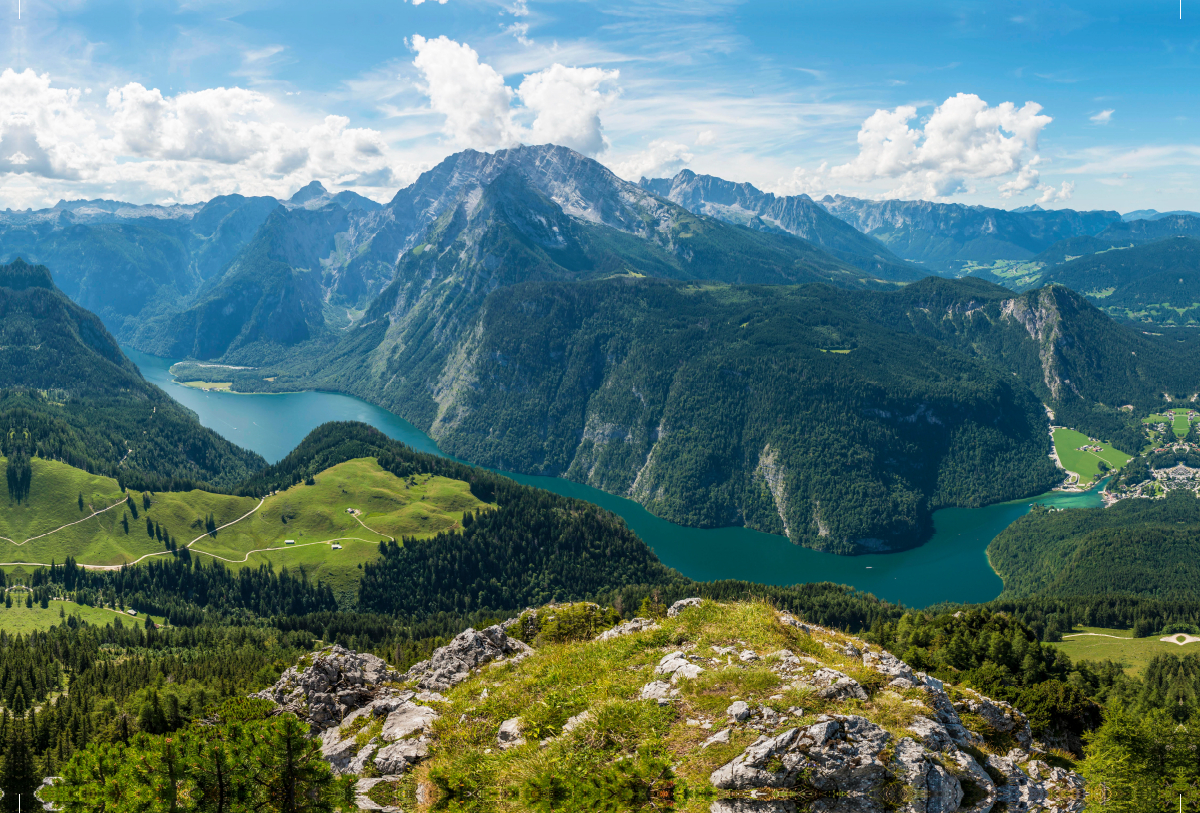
(189, 545)
(61, 527)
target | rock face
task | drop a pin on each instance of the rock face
(360, 720)
(681, 605)
(452, 664)
(337, 682)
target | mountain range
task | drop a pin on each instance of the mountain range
(722, 355)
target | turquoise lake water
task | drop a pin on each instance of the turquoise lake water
(952, 566)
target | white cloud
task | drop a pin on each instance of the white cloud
(1052, 195)
(564, 103)
(661, 158)
(419, 2)
(813, 183)
(964, 139)
(567, 103)
(521, 32)
(1103, 117)
(142, 145)
(470, 94)
(705, 137)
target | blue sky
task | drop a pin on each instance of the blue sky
(177, 101)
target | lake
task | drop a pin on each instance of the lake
(952, 566)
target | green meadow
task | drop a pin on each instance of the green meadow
(1067, 443)
(1177, 418)
(21, 619)
(51, 526)
(1134, 654)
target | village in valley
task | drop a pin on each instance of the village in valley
(1169, 462)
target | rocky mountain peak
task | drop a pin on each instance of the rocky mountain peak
(315, 189)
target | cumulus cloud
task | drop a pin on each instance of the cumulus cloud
(469, 93)
(1103, 117)
(661, 159)
(705, 137)
(143, 145)
(1052, 195)
(963, 140)
(564, 102)
(567, 103)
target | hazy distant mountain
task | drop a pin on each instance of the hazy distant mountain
(946, 237)
(1153, 214)
(1148, 231)
(798, 215)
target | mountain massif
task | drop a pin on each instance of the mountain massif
(70, 394)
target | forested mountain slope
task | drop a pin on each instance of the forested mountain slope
(1136, 547)
(717, 405)
(945, 237)
(799, 215)
(69, 393)
(1157, 282)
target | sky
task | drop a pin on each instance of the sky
(1081, 105)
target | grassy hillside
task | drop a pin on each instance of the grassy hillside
(50, 525)
(24, 620)
(1134, 654)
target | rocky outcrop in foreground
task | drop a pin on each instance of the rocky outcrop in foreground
(935, 751)
(358, 708)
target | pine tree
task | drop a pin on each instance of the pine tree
(80, 500)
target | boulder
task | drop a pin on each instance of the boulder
(720, 738)
(628, 628)
(738, 711)
(509, 735)
(336, 682)
(658, 690)
(337, 750)
(970, 770)
(359, 763)
(1001, 716)
(933, 788)
(677, 666)
(834, 685)
(932, 734)
(452, 664)
(682, 605)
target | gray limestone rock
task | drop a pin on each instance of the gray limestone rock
(359, 763)
(682, 605)
(835, 753)
(720, 738)
(576, 721)
(738, 711)
(932, 734)
(1000, 716)
(628, 628)
(509, 735)
(834, 685)
(971, 771)
(336, 682)
(658, 690)
(407, 720)
(398, 757)
(677, 666)
(936, 790)
(470, 649)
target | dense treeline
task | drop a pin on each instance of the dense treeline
(76, 685)
(70, 394)
(1141, 547)
(187, 592)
